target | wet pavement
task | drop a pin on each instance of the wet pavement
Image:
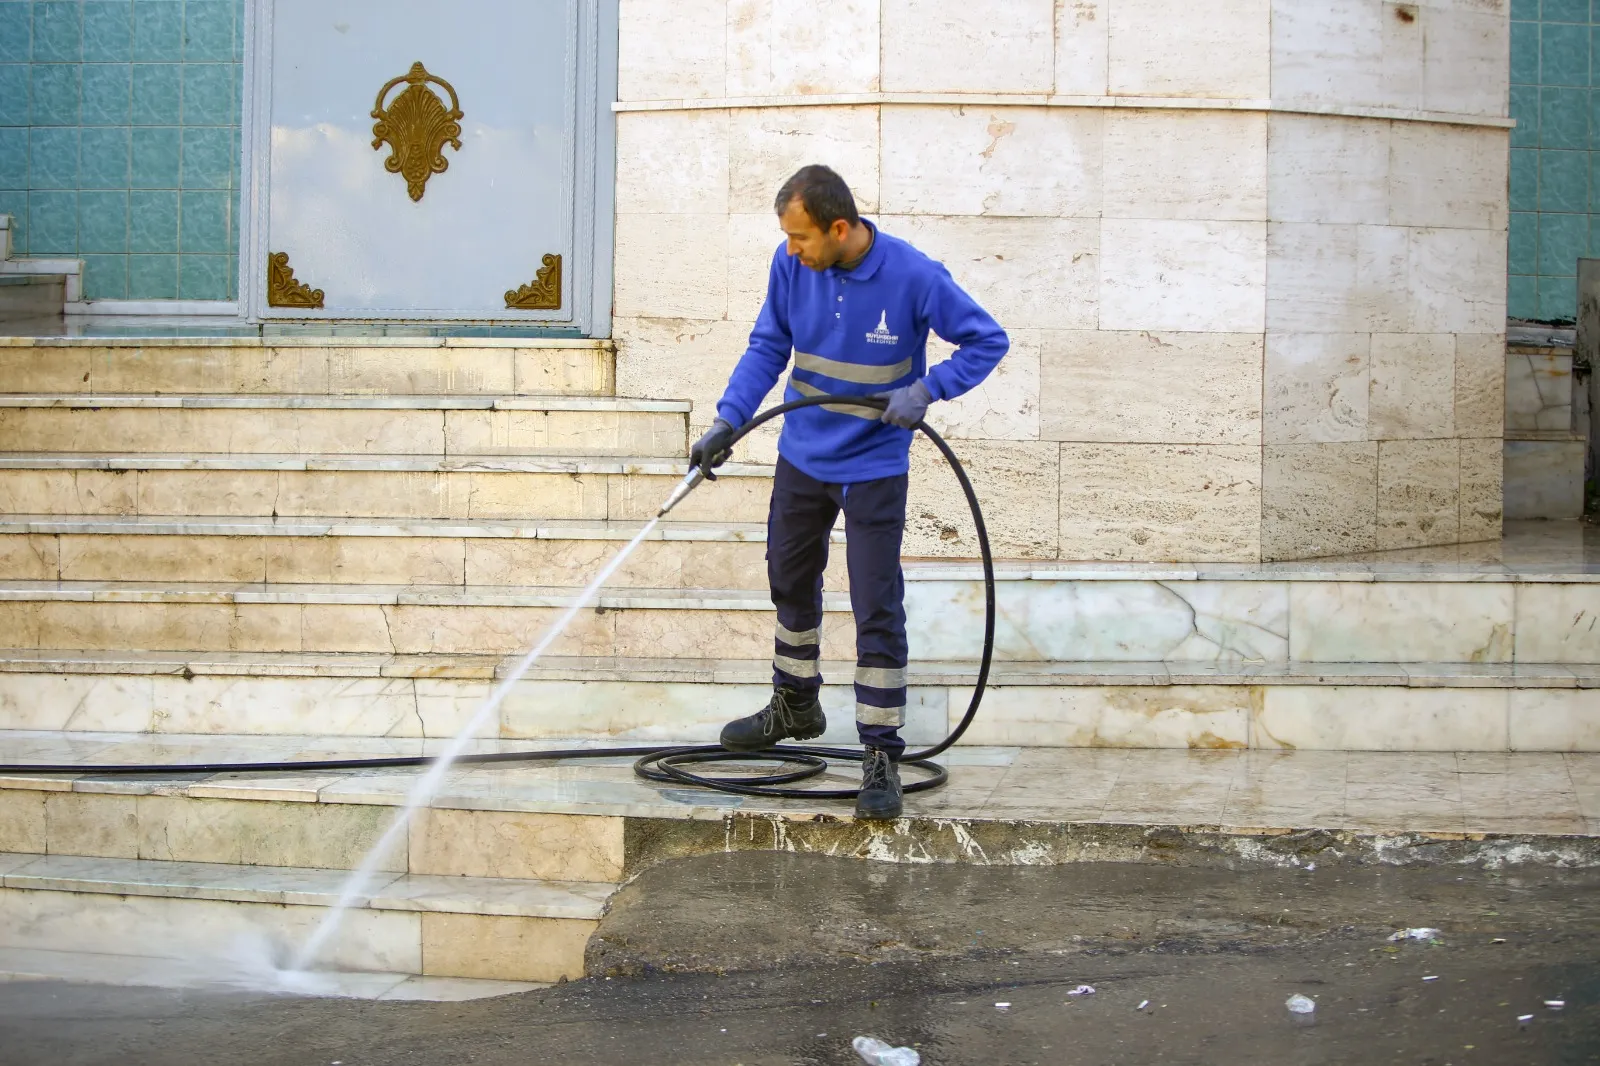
(815, 951)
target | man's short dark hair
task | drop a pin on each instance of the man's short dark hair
(823, 193)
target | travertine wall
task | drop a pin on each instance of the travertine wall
(1251, 253)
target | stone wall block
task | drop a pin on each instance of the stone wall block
(1480, 400)
(1205, 48)
(1482, 487)
(1337, 278)
(992, 161)
(1466, 70)
(767, 145)
(678, 358)
(672, 266)
(1005, 406)
(1419, 497)
(672, 162)
(776, 48)
(1318, 499)
(1327, 169)
(1153, 388)
(1458, 280)
(1328, 53)
(1413, 386)
(1316, 387)
(1160, 502)
(1185, 164)
(1017, 483)
(1181, 275)
(975, 46)
(1451, 176)
(1083, 37)
(687, 63)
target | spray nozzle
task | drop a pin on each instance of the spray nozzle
(690, 482)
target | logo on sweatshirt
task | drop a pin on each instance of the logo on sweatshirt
(881, 334)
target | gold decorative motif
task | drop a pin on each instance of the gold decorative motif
(416, 127)
(543, 293)
(283, 290)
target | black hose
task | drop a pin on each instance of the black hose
(665, 763)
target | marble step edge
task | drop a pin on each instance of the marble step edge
(607, 670)
(140, 971)
(408, 464)
(340, 402)
(311, 339)
(289, 886)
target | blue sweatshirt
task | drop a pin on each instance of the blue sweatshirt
(858, 332)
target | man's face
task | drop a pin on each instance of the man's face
(816, 248)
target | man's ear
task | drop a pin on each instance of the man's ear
(839, 230)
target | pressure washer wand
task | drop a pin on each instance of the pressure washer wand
(690, 482)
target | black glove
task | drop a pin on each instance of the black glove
(713, 449)
(907, 405)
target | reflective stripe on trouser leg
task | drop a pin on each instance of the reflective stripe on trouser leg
(799, 519)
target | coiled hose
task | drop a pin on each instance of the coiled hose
(667, 763)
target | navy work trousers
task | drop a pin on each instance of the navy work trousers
(799, 521)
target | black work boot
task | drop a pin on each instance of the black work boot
(880, 786)
(790, 715)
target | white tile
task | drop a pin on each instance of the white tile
(672, 162)
(1029, 273)
(1083, 36)
(1207, 48)
(1316, 387)
(1381, 719)
(1413, 386)
(782, 49)
(991, 161)
(1465, 70)
(670, 49)
(1174, 716)
(653, 276)
(1447, 176)
(1005, 405)
(1183, 275)
(1400, 622)
(1326, 169)
(1457, 280)
(1161, 502)
(767, 145)
(973, 46)
(1153, 388)
(1337, 278)
(1185, 164)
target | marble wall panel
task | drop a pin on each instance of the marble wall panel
(1171, 716)
(20, 623)
(625, 433)
(1118, 621)
(1186, 164)
(503, 948)
(208, 492)
(365, 494)
(1458, 280)
(1538, 390)
(145, 626)
(1482, 465)
(366, 560)
(110, 557)
(1392, 621)
(754, 240)
(535, 496)
(1083, 38)
(1029, 273)
(929, 46)
(1318, 499)
(656, 564)
(1039, 162)
(767, 145)
(1554, 719)
(1017, 482)
(1419, 493)
(209, 370)
(1160, 502)
(172, 429)
(22, 823)
(114, 703)
(75, 492)
(1556, 623)
(1316, 387)
(556, 847)
(657, 274)
(1183, 275)
(33, 557)
(1330, 52)
(1412, 386)
(1480, 379)
(323, 836)
(1326, 169)
(273, 706)
(672, 162)
(1337, 279)
(780, 49)
(78, 823)
(561, 371)
(1153, 388)
(1392, 718)
(1447, 176)
(60, 370)
(1005, 405)
(1210, 48)
(1465, 69)
(429, 630)
(688, 61)
(367, 371)
(638, 497)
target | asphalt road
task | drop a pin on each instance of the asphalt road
(815, 951)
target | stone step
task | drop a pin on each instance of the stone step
(308, 365)
(31, 295)
(591, 488)
(365, 551)
(488, 928)
(398, 701)
(349, 425)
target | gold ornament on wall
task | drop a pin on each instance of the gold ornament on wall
(282, 288)
(543, 293)
(416, 127)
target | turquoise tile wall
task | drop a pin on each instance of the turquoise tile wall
(119, 141)
(1555, 154)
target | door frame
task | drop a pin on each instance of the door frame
(588, 276)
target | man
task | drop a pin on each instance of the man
(856, 318)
